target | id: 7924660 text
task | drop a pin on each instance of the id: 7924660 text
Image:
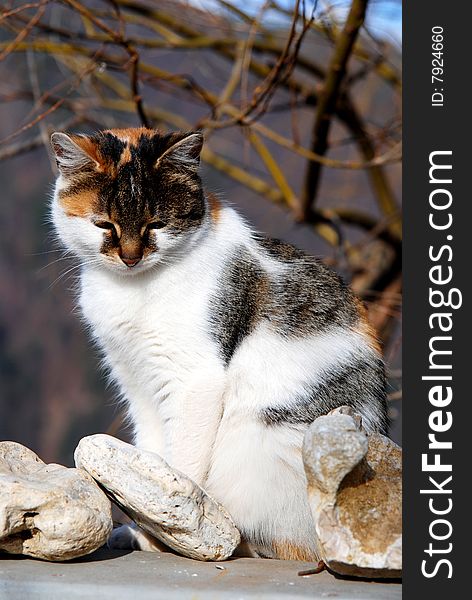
(437, 65)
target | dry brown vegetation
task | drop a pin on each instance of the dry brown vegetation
(299, 107)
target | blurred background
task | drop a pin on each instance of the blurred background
(300, 103)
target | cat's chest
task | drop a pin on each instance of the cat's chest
(147, 323)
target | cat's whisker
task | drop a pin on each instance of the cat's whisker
(45, 252)
(62, 275)
(93, 261)
(50, 264)
(66, 255)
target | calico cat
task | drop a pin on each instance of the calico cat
(225, 345)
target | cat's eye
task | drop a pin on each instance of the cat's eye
(104, 225)
(156, 225)
(194, 215)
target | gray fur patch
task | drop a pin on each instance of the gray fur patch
(307, 298)
(360, 386)
(239, 304)
(311, 297)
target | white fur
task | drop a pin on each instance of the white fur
(183, 402)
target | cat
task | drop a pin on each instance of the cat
(225, 344)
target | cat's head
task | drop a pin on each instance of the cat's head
(128, 198)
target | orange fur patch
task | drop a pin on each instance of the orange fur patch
(289, 551)
(215, 207)
(131, 247)
(125, 157)
(131, 134)
(90, 148)
(79, 205)
(365, 328)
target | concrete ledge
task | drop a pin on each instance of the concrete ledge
(116, 575)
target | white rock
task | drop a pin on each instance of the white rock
(333, 448)
(162, 501)
(49, 511)
(354, 488)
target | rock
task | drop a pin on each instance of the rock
(164, 502)
(355, 493)
(49, 511)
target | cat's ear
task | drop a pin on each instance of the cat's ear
(185, 152)
(74, 154)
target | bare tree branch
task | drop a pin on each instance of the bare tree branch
(328, 100)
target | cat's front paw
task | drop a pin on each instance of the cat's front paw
(131, 537)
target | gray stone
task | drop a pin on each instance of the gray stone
(49, 511)
(162, 501)
(115, 575)
(355, 493)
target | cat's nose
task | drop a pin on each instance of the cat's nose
(130, 261)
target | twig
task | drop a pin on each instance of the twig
(19, 148)
(328, 100)
(133, 54)
(25, 31)
(34, 79)
(346, 111)
(185, 82)
(50, 110)
(318, 569)
(14, 11)
(380, 184)
(274, 170)
(381, 65)
(383, 313)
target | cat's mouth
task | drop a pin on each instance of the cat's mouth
(130, 266)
